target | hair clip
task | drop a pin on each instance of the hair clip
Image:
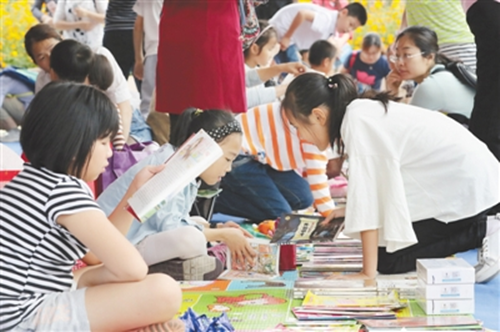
(197, 112)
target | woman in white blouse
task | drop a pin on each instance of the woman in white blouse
(420, 184)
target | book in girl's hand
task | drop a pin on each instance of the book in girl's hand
(302, 228)
(186, 164)
(266, 265)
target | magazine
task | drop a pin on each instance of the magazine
(302, 228)
(266, 264)
(188, 162)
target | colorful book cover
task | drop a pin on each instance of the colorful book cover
(258, 284)
(302, 228)
(204, 286)
(430, 321)
(266, 265)
(389, 302)
(248, 310)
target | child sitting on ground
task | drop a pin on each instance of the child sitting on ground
(368, 66)
(46, 231)
(171, 241)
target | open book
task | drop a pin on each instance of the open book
(266, 263)
(188, 162)
(302, 228)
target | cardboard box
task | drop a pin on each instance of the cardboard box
(445, 271)
(445, 291)
(447, 307)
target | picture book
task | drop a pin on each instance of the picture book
(266, 263)
(248, 310)
(188, 162)
(204, 286)
(302, 228)
(259, 284)
(429, 321)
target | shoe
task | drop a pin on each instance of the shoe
(12, 135)
(198, 268)
(488, 264)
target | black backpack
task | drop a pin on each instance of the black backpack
(463, 73)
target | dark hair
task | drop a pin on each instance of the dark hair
(71, 60)
(320, 50)
(62, 124)
(101, 73)
(37, 34)
(263, 37)
(426, 40)
(357, 10)
(311, 90)
(193, 119)
(371, 39)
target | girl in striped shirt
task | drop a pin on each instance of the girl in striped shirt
(277, 173)
(49, 219)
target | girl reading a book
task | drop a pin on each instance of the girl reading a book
(420, 184)
(171, 233)
(49, 220)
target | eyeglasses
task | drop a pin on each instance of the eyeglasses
(404, 57)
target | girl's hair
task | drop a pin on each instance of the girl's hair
(312, 90)
(63, 122)
(38, 33)
(267, 32)
(193, 119)
(101, 73)
(71, 60)
(371, 39)
(426, 40)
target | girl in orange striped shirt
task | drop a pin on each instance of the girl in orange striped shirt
(277, 172)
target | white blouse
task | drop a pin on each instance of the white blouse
(409, 164)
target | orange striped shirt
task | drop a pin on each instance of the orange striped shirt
(269, 137)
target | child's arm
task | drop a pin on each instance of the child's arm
(126, 114)
(235, 240)
(294, 68)
(369, 242)
(302, 15)
(93, 16)
(138, 51)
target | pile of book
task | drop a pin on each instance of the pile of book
(445, 286)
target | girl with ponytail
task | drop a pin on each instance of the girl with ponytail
(171, 241)
(420, 185)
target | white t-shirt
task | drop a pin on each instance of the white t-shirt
(410, 164)
(150, 11)
(65, 11)
(118, 91)
(322, 27)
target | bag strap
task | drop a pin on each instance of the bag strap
(352, 59)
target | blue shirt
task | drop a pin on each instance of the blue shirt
(367, 75)
(174, 214)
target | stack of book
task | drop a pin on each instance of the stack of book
(445, 286)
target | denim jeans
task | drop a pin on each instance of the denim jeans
(291, 54)
(256, 191)
(139, 129)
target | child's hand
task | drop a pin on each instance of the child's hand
(294, 68)
(144, 175)
(336, 213)
(284, 43)
(139, 70)
(232, 224)
(80, 12)
(87, 25)
(242, 252)
(393, 82)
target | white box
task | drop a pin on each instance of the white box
(445, 271)
(447, 307)
(444, 291)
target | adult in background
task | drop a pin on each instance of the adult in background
(200, 61)
(483, 18)
(119, 34)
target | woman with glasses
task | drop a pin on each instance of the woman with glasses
(417, 58)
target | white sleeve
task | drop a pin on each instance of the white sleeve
(118, 91)
(139, 8)
(377, 200)
(59, 13)
(320, 22)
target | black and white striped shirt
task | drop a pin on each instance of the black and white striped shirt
(120, 15)
(36, 253)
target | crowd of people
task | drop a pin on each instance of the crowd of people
(414, 127)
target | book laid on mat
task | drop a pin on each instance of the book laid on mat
(266, 264)
(188, 162)
(303, 228)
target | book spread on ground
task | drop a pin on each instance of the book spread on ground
(188, 162)
(266, 264)
(302, 228)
